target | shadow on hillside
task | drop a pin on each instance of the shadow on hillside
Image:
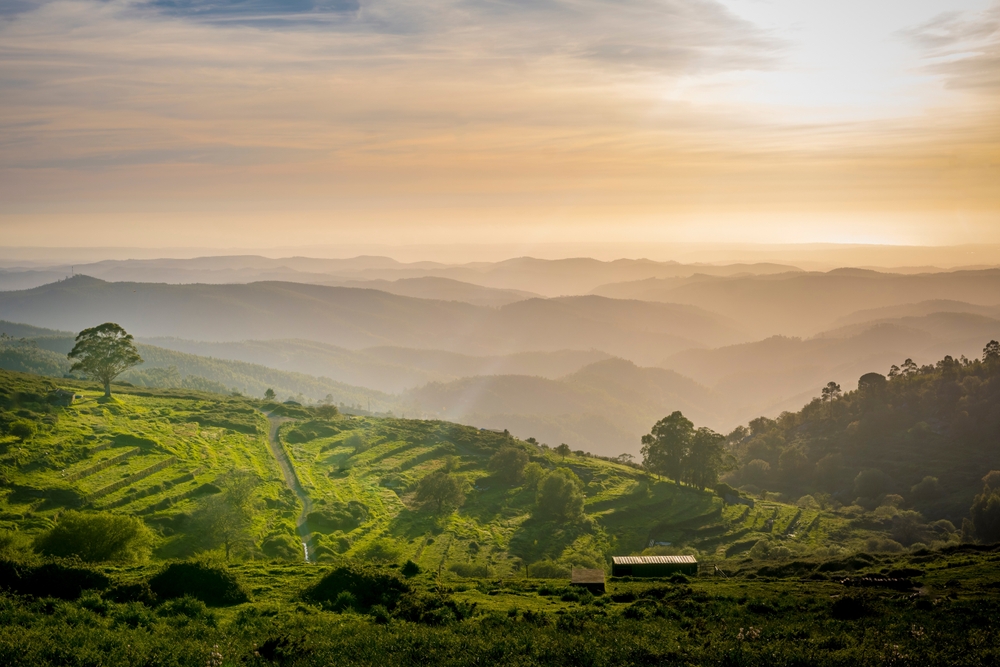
(410, 524)
(535, 540)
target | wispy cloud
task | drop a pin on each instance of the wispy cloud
(964, 47)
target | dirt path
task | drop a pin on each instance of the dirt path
(291, 479)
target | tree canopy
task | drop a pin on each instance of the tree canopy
(675, 449)
(104, 352)
(560, 496)
(441, 491)
(889, 437)
(508, 464)
(227, 518)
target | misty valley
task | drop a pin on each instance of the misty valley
(235, 460)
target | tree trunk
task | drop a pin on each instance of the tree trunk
(107, 388)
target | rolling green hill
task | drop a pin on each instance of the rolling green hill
(162, 455)
(46, 355)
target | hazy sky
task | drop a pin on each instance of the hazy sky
(251, 122)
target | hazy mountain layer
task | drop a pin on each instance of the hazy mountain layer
(605, 407)
(388, 369)
(805, 303)
(781, 373)
(542, 276)
(360, 318)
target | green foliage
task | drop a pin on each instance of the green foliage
(926, 490)
(382, 551)
(282, 546)
(215, 585)
(50, 580)
(547, 569)
(227, 518)
(335, 515)
(441, 491)
(97, 536)
(560, 497)
(985, 514)
(901, 427)
(104, 352)
(22, 429)
(675, 449)
(367, 585)
(508, 464)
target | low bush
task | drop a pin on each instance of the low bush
(97, 536)
(369, 586)
(51, 580)
(215, 586)
(282, 546)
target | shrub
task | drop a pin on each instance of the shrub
(368, 585)
(97, 536)
(410, 569)
(52, 580)
(215, 586)
(547, 569)
(188, 606)
(477, 570)
(282, 546)
(22, 429)
(560, 497)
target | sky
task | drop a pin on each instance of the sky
(255, 123)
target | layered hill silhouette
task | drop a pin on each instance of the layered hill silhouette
(424, 279)
(781, 373)
(358, 318)
(388, 369)
(802, 304)
(604, 407)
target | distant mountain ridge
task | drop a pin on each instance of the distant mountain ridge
(802, 304)
(359, 318)
(542, 276)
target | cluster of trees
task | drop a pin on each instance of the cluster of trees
(925, 433)
(676, 449)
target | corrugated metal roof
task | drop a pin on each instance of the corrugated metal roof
(649, 560)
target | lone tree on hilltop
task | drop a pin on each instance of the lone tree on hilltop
(269, 394)
(563, 450)
(104, 352)
(831, 392)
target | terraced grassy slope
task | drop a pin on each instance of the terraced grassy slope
(158, 454)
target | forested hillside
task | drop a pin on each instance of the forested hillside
(926, 435)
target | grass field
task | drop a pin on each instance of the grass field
(157, 453)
